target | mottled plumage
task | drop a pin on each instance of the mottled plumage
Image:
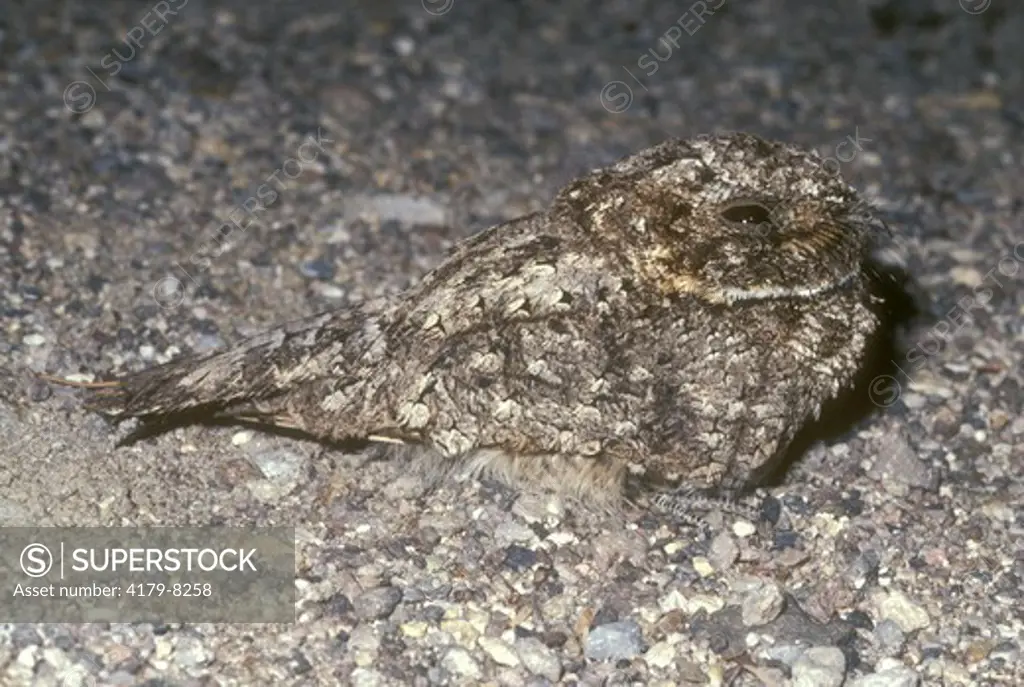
(684, 312)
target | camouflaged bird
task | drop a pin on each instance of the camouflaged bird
(679, 314)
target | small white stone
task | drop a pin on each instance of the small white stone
(671, 601)
(705, 602)
(561, 538)
(34, 340)
(661, 655)
(674, 547)
(329, 291)
(500, 652)
(743, 529)
(27, 657)
(404, 46)
(414, 629)
(147, 352)
(899, 608)
(56, 658)
(703, 566)
(243, 437)
(460, 662)
(164, 648)
(367, 677)
(462, 630)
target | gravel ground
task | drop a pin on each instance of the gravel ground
(897, 559)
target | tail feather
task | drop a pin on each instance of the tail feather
(258, 368)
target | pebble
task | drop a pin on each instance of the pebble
(56, 658)
(538, 658)
(462, 630)
(119, 678)
(298, 664)
(519, 558)
(268, 491)
(415, 629)
(207, 342)
(377, 604)
(404, 45)
(243, 437)
(457, 660)
(614, 641)
(513, 532)
(898, 607)
(76, 676)
(898, 465)
(743, 529)
(39, 391)
(329, 291)
(762, 604)
(366, 677)
(671, 601)
(363, 639)
(889, 636)
(704, 602)
(820, 666)
(723, 552)
(24, 665)
(786, 654)
(893, 677)
(978, 651)
(530, 507)
(403, 208)
(279, 465)
(661, 655)
(318, 269)
(1007, 651)
(34, 340)
(703, 566)
(164, 648)
(500, 652)
(189, 652)
(538, 682)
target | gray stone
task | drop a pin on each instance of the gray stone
(762, 604)
(787, 654)
(499, 651)
(401, 208)
(378, 603)
(614, 641)
(723, 551)
(189, 652)
(898, 466)
(539, 659)
(279, 465)
(893, 677)
(899, 608)
(459, 662)
(820, 666)
(889, 636)
(367, 677)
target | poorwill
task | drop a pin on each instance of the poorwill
(680, 314)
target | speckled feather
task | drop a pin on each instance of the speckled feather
(681, 313)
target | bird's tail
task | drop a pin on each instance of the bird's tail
(258, 368)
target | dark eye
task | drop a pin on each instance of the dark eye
(748, 213)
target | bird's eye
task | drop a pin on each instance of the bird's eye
(748, 213)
